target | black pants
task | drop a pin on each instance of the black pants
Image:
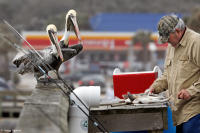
(179, 128)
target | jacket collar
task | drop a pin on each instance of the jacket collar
(185, 37)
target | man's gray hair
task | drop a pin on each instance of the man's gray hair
(180, 25)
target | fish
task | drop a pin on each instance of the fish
(145, 98)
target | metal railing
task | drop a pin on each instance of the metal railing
(11, 102)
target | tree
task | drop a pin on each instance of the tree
(143, 38)
(193, 22)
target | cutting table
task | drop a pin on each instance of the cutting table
(150, 117)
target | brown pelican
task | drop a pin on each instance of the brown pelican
(70, 21)
(52, 32)
(54, 55)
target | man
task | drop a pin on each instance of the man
(181, 74)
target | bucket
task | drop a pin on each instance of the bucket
(78, 121)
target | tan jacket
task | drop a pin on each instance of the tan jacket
(182, 71)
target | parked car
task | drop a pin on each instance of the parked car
(3, 85)
(76, 76)
(73, 77)
(92, 80)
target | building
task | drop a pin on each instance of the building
(107, 49)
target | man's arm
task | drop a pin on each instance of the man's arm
(160, 84)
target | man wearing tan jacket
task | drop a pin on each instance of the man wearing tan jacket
(181, 74)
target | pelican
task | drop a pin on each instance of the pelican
(52, 33)
(54, 55)
(70, 21)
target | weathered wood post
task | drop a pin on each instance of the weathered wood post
(46, 111)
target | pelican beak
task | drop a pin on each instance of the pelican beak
(72, 16)
(52, 32)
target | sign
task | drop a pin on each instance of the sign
(91, 40)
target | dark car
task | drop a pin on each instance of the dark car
(4, 85)
(76, 76)
(92, 80)
(73, 77)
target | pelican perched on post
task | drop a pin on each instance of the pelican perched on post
(49, 55)
(54, 55)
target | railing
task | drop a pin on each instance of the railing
(11, 102)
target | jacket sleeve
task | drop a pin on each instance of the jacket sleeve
(195, 54)
(161, 83)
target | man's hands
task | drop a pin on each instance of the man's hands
(151, 90)
(184, 94)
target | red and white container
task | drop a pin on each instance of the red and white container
(133, 82)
